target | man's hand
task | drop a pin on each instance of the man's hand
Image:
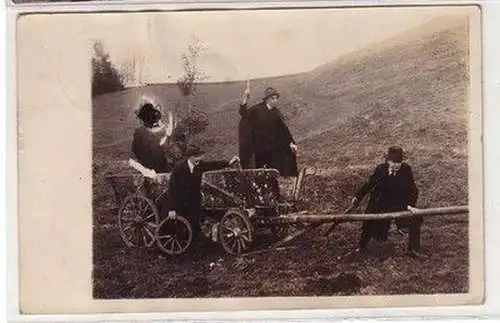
(234, 160)
(293, 147)
(171, 214)
(151, 173)
(246, 97)
(412, 209)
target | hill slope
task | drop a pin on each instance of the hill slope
(410, 90)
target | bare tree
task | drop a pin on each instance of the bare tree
(193, 74)
(192, 71)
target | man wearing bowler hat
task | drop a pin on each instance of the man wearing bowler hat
(392, 189)
(184, 195)
(264, 138)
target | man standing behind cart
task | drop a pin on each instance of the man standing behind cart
(184, 192)
(264, 136)
(392, 189)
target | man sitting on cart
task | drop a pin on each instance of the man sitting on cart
(184, 192)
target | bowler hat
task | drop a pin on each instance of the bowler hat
(193, 150)
(395, 154)
(270, 92)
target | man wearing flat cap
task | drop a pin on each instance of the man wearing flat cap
(392, 189)
(264, 138)
(184, 192)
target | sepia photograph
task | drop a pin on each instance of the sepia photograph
(292, 153)
(291, 160)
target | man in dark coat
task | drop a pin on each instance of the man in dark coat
(184, 194)
(245, 136)
(265, 136)
(393, 189)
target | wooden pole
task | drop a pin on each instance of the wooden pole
(325, 218)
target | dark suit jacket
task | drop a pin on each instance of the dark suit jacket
(184, 195)
(389, 193)
(264, 136)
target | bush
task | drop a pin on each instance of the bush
(194, 123)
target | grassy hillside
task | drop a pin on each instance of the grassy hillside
(410, 90)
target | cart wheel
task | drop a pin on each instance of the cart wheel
(235, 232)
(174, 235)
(137, 221)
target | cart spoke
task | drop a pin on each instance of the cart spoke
(245, 238)
(234, 244)
(152, 214)
(143, 207)
(134, 207)
(128, 227)
(243, 243)
(179, 245)
(144, 238)
(238, 245)
(130, 236)
(172, 244)
(137, 236)
(150, 234)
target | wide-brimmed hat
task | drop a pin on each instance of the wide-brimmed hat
(395, 154)
(192, 150)
(146, 105)
(269, 92)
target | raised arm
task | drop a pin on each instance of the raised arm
(244, 102)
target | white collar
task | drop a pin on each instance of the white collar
(269, 107)
(191, 166)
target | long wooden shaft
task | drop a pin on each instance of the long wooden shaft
(325, 218)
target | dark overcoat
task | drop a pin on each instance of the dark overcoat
(184, 195)
(245, 139)
(265, 139)
(387, 194)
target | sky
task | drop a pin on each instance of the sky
(249, 44)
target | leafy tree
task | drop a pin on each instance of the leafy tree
(105, 77)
